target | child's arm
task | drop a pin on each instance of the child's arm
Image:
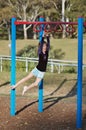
(48, 42)
(40, 46)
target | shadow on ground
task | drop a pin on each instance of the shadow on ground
(52, 100)
(4, 84)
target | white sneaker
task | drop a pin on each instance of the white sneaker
(24, 90)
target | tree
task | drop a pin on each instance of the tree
(53, 9)
(25, 10)
(28, 10)
(76, 8)
(5, 14)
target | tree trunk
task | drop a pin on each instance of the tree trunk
(64, 32)
(9, 35)
(34, 36)
(25, 19)
(63, 17)
(25, 31)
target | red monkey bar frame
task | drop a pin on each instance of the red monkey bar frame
(58, 26)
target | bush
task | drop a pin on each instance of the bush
(70, 70)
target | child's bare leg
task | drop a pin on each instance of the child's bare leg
(23, 80)
(26, 88)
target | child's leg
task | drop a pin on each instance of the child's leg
(26, 88)
(23, 80)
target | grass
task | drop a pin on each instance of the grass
(52, 81)
(67, 46)
(63, 82)
(4, 45)
(55, 85)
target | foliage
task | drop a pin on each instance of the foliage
(69, 70)
(75, 9)
(31, 51)
(56, 54)
(28, 51)
(28, 10)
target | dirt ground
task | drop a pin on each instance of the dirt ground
(57, 115)
(59, 105)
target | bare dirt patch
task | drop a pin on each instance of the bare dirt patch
(56, 116)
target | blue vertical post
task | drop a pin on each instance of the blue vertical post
(40, 100)
(80, 62)
(13, 68)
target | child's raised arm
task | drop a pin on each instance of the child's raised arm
(40, 45)
(48, 42)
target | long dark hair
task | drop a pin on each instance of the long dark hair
(42, 44)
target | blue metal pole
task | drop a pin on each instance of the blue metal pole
(40, 103)
(41, 19)
(80, 62)
(13, 68)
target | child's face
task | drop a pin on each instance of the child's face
(44, 48)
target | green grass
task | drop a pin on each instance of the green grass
(54, 84)
(5, 50)
(67, 46)
(52, 80)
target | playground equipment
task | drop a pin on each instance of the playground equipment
(58, 27)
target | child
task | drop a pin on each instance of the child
(40, 69)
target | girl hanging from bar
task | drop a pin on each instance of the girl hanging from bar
(40, 69)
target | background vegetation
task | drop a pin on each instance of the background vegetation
(28, 10)
(65, 49)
